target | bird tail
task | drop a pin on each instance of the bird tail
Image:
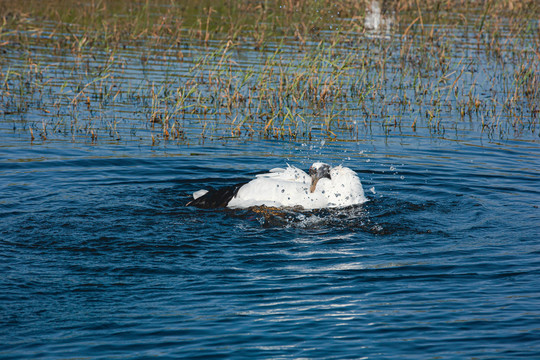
(216, 198)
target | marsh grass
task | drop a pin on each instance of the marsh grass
(110, 71)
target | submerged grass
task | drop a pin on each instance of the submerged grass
(162, 71)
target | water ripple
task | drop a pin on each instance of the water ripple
(100, 256)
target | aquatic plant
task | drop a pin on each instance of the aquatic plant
(160, 72)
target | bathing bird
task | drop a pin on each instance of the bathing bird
(290, 187)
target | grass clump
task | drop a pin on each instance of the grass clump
(161, 71)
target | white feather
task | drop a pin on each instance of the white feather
(343, 189)
(197, 194)
(290, 187)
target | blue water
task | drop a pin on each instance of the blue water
(101, 259)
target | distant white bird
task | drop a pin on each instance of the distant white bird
(324, 187)
(379, 19)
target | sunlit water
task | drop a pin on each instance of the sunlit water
(100, 257)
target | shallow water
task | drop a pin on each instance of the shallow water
(101, 258)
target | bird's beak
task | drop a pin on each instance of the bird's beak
(314, 180)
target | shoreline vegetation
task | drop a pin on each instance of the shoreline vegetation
(184, 72)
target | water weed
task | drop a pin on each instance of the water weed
(158, 72)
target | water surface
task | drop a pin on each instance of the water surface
(100, 258)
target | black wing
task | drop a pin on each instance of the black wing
(216, 198)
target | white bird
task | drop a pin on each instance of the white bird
(324, 187)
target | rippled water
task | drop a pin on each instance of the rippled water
(100, 258)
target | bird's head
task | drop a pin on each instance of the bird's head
(318, 171)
